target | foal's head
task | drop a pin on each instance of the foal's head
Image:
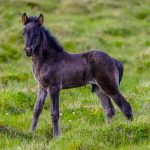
(32, 33)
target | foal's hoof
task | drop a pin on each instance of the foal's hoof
(127, 110)
(129, 116)
(56, 135)
(109, 117)
(32, 130)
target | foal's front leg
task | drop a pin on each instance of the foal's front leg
(54, 97)
(41, 97)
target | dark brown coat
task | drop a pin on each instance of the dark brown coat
(54, 69)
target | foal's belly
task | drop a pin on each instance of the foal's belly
(73, 84)
(74, 76)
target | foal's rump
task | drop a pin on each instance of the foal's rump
(107, 70)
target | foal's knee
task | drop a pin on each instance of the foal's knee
(54, 117)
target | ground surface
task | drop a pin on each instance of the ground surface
(120, 28)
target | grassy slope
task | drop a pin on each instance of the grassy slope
(118, 27)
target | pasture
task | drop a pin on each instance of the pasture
(120, 28)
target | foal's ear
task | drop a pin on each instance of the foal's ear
(41, 19)
(24, 19)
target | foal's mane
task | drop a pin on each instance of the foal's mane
(52, 41)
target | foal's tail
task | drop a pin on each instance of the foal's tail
(120, 69)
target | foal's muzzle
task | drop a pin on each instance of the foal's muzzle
(28, 51)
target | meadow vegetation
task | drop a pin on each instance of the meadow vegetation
(118, 27)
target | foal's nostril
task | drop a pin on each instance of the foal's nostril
(28, 50)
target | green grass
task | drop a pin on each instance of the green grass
(118, 27)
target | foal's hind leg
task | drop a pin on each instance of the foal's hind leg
(109, 83)
(106, 104)
(113, 92)
(124, 106)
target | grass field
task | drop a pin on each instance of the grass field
(118, 27)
